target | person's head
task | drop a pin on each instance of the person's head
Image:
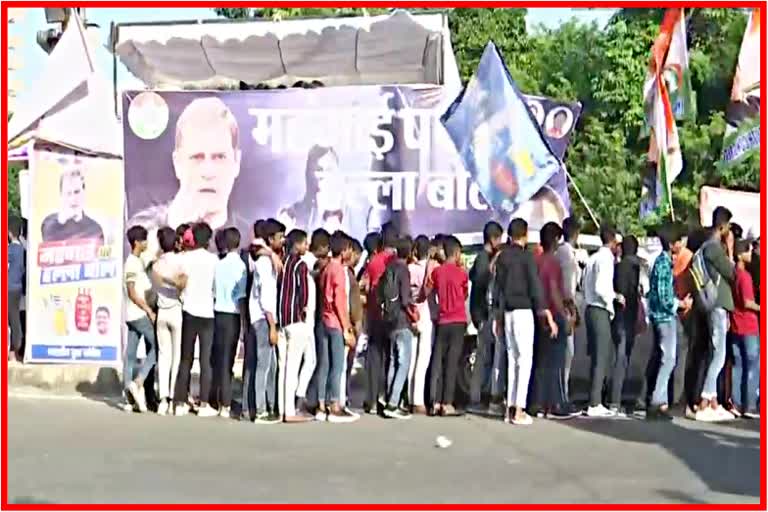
(549, 236)
(201, 234)
(742, 252)
(629, 246)
(437, 248)
(357, 252)
(166, 239)
(206, 155)
(341, 246)
(571, 229)
(320, 159)
(608, 236)
(258, 228)
(404, 248)
(756, 247)
(452, 249)
(737, 230)
(297, 242)
(137, 239)
(274, 234)
(72, 190)
(14, 227)
(518, 232)
(320, 245)
(389, 236)
(560, 118)
(372, 243)
(721, 221)
(421, 248)
(218, 239)
(180, 231)
(102, 320)
(492, 233)
(669, 236)
(231, 239)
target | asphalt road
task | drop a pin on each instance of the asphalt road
(64, 450)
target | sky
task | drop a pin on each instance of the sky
(31, 57)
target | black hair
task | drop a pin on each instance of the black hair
(737, 231)
(421, 247)
(272, 227)
(404, 247)
(218, 239)
(231, 239)
(372, 242)
(181, 229)
(721, 216)
(571, 227)
(357, 247)
(320, 238)
(668, 235)
(105, 309)
(136, 234)
(518, 228)
(202, 232)
(740, 247)
(388, 235)
(340, 242)
(296, 236)
(629, 245)
(166, 238)
(607, 233)
(14, 225)
(549, 235)
(452, 246)
(492, 231)
(258, 228)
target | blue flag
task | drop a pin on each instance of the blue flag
(498, 138)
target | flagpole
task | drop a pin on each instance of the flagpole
(581, 196)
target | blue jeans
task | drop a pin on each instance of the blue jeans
(259, 370)
(399, 364)
(138, 329)
(483, 368)
(665, 336)
(718, 328)
(746, 372)
(330, 364)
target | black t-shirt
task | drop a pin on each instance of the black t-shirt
(480, 275)
(86, 227)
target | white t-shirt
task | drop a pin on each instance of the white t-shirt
(168, 266)
(199, 266)
(134, 272)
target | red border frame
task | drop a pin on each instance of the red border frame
(329, 507)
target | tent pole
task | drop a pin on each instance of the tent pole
(581, 196)
(113, 36)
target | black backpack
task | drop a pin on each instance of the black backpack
(388, 295)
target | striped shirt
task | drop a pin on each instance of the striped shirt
(293, 291)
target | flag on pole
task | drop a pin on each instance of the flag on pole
(742, 134)
(665, 161)
(677, 74)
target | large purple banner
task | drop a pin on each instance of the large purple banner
(345, 158)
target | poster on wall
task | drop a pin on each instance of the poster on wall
(347, 158)
(75, 254)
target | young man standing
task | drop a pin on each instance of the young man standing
(451, 286)
(717, 253)
(140, 319)
(295, 339)
(395, 296)
(16, 281)
(262, 306)
(422, 353)
(519, 298)
(337, 332)
(480, 275)
(600, 297)
(569, 264)
(745, 331)
(663, 306)
(230, 282)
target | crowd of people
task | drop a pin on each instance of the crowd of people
(301, 303)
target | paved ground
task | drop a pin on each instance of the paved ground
(78, 450)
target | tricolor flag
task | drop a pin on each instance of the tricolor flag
(669, 58)
(742, 135)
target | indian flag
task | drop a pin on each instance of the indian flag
(665, 161)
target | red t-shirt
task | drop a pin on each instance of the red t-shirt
(375, 270)
(451, 285)
(550, 275)
(743, 321)
(333, 283)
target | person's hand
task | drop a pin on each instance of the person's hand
(553, 329)
(152, 316)
(349, 338)
(272, 336)
(687, 303)
(304, 315)
(621, 300)
(497, 326)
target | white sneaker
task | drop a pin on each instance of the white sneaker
(321, 415)
(181, 410)
(163, 408)
(707, 415)
(723, 414)
(351, 413)
(138, 396)
(752, 415)
(690, 413)
(225, 412)
(207, 411)
(525, 420)
(600, 411)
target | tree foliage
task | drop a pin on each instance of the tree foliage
(604, 69)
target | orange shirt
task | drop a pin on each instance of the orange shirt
(683, 280)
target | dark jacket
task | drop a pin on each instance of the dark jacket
(480, 275)
(355, 302)
(403, 278)
(517, 279)
(718, 264)
(626, 281)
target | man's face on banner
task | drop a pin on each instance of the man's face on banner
(206, 165)
(73, 193)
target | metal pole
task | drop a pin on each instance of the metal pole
(581, 197)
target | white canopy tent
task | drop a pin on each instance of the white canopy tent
(69, 104)
(398, 48)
